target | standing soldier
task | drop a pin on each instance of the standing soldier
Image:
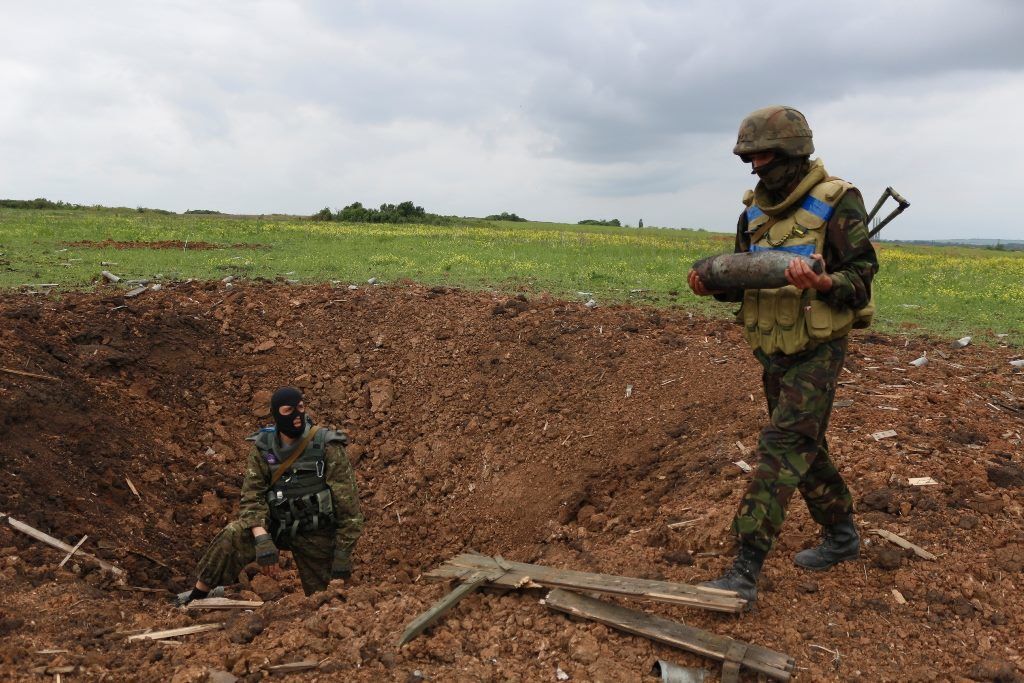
(299, 494)
(799, 335)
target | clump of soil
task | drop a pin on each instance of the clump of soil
(499, 425)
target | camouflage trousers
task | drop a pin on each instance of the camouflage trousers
(234, 547)
(792, 450)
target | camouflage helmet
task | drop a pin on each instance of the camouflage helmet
(777, 129)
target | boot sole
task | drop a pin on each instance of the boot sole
(827, 566)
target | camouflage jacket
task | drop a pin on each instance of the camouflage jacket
(340, 478)
(849, 256)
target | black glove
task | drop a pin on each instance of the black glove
(341, 567)
(266, 551)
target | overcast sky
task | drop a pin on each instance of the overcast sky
(554, 110)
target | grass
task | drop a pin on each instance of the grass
(942, 290)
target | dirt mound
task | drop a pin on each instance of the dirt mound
(533, 428)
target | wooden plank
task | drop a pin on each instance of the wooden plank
(175, 632)
(223, 603)
(292, 667)
(762, 660)
(439, 608)
(22, 373)
(520, 573)
(904, 543)
(72, 551)
(60, 545)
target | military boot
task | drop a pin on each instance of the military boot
(741, 577)
(839, 542)
(185, 597)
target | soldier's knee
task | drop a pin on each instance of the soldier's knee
(234, 533)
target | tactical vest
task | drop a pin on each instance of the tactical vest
(300, 501)
(788, 319)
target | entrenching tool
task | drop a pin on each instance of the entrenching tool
(901, 206)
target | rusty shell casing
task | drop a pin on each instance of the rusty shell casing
(749, 270)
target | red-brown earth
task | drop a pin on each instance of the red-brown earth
(500, 425)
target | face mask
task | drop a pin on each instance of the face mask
(288, 396)
(780, 172)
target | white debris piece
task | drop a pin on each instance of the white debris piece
(591, 304)
(109, 277)
(885, 434)
(961, 342)
(561, 675)
(1017, 363)
(744, 465)
(922, 481)
(629, 390)
(372, 281)
(352, 288)
(920, 362)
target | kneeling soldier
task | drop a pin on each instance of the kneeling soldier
(299, 494)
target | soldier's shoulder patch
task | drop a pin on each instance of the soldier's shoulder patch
(261, 434)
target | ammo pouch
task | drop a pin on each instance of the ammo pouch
(300, 500)
(297, 514)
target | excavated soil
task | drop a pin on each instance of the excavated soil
(536, 429)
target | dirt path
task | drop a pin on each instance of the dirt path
(502, 426)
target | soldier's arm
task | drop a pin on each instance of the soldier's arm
(849, 256)
(253, 510)
(342, 482)
(740, 245)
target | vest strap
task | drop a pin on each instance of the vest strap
(294, 456)
(763, 230)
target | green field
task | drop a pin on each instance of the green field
(943, 290)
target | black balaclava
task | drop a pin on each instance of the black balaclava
(781, 173)
(288, 396)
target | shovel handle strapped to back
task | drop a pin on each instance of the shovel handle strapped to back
(901, 206)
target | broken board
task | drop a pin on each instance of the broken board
(442, 606)
(731, 652)
(519, 574)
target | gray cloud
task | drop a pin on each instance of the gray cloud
(554, 110)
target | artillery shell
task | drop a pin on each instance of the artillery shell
(749, 270)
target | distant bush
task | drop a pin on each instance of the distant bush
(205, 212)
(406, 212)
(593, 221)
(323, 214)
(37, 203)
(162, 212)
(505, 216)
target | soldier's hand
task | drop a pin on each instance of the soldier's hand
(696, 286)
(266, 552)
(801, 275)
